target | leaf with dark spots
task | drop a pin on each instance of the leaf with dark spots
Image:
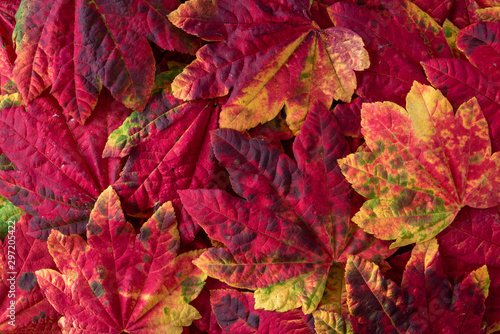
(76, 47)
(60, 169)
(33, 313)
(292, 222)
(268, 54)
(395, 55)
(425, 164)
(135, 296)
(426, 301)
(460, 81)
(470, 242)
(164, 161)
(235, 313)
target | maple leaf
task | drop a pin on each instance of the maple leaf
(460, 81)
(121, 281)
(425, 303)
(60, 172)
(78, 46)
(293, 224)
(398, 36)
(169, 149)
(20, 257)
(269, 54)
(235, 312)
(469, 243)
(425, 164)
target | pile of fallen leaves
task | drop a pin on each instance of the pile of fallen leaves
(250, 166)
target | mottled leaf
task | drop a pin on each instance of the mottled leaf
(119, 281)
(20, 258)
(60, 169)
(426, 302)
(425, 164)
(268, 54)
(293, 224)
(235, 312)
(78, 46)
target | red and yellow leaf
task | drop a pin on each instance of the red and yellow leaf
(425, 164)
(292, 224)
(121, 281)
(270, 54)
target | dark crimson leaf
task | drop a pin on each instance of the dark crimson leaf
(121, 282)
(471, 241)
(269, 54)
(235, 312)
(426, 302)
(60, 169)
(20, 258)
(293, 224)
(169, 147)
(78, 46)
(460, 81)
(273, 131)
(398, 39)
(464, 13)
(349, 116)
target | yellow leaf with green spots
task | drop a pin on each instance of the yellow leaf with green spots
(425, 164)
